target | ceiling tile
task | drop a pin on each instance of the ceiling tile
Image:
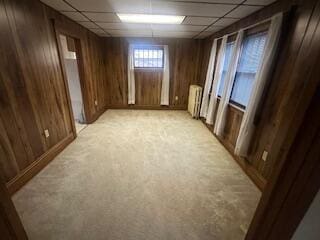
(177, 27)
(259, 2)
(104, 35)
(243, 11)
(214, 28)
(101, 34)
(88, 24)
(204, 35)
(127, 6)
(121, 6)
(226, 21)
(98, 31)
(94, 5)
(124, 26)
(130, 33)
(199, 20)
(191, 9)
(76, 16)
(174, 34)
(59, 5)
(102, 17)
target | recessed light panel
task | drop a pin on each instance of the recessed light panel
(150, 18)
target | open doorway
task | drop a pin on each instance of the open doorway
(70, 61)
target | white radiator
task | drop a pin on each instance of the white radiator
(195, 93)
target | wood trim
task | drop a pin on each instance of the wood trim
(59, 29)
(16, 183)
(148, 69)
(82, 78)
(251, 172)
(93, 118)
(263, 27)
(64, 75)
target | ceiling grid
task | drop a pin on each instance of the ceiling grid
(202, 17)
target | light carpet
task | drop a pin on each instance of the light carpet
(140, 175)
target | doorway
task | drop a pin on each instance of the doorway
(70, 61)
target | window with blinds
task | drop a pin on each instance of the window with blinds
(250, 58)
(228, 55)
(148, 57)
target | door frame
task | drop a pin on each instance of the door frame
(59, 29)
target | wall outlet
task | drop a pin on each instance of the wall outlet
(46, 133)
(176, 98)
(264, 155)
(95, 102)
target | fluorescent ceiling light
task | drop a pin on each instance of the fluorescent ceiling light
(149, 18)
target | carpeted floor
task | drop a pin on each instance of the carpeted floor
(79, 126)
(140, 175)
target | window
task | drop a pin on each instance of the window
(228, 54)
(252, 52)
(148, 57)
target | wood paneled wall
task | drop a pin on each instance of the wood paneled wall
(148, 86)
(92, 71)
(298, 15)
(184, 71)
(33, 94)
(10, 224)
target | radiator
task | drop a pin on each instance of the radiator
(195, 93)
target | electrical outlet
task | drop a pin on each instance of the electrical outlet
(176, 98)
(95, 102)
(46, 133)
(264, 155)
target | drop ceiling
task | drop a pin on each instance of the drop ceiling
(203, 17)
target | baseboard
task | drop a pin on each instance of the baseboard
(146, 107)
(249, 170)
(93, 118)
(23, 177)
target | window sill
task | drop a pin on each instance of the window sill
(237, 107)
(148, 69)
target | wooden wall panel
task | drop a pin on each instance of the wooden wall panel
(41, 69)
(229, 139)
(8, 165)
(295, 128)
(283, 83)
(11, 227)
(184, 70)
(92, 73)
(148, 87)
(116, 71)
(33, 94)
(297, 17)
(97, 74)
(233, 123)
